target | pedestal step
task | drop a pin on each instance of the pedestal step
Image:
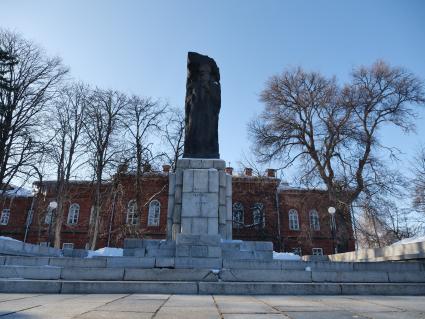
(217, 288)
(208, 274)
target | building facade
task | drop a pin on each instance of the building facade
(295, 220)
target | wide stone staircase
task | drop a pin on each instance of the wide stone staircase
(131, 274)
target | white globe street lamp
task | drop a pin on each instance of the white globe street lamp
(332, 211)
(53, 205)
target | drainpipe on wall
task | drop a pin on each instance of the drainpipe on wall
(278, 217)
(28, 221)
(112, 216)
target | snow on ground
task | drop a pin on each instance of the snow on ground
(285, 256)
(106, 251)
(411, 240)
(8, 238)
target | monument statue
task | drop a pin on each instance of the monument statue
(202, 106)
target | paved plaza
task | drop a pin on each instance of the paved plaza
(140, 306)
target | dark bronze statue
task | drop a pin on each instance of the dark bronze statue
(203, 101)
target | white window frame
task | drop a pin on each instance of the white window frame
(294, 221)
(258, 207)
(49, 218)
(68, 246)
(154, 213)
(317, 251)
(5, 216)
(314, 219)
(73, 214)
(238, 215)
(132, 217)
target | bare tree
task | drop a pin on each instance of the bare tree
(103, 125)
(65, 147)
(418, 181)
(142, 121)
(28, 83)
(330, 131)
(173, 136)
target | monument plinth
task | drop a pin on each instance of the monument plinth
(199, 217)
(200, 199)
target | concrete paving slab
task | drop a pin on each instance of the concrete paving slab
(187, 313)
(97, 314)
(393, 315)
(120, 306)
(325, 315)
(132, 305)
(194, 301)
(254, 316)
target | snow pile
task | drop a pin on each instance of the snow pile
(416, 239)
(105, 252)
(8, 238)
(285, 256)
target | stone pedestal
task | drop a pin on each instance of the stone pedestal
(200, 199)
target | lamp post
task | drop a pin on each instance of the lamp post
(52, 206)
(332, 211)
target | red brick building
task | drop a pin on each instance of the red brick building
(263, 209)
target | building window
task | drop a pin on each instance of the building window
(314, 220)
(294, 223)
(50, 217)
(154, 213)
(258, 215)
(73, 214)
(318, 251)
(67, 246)
(132, 215)
(297, 251)
(237, 213)
(5, 214)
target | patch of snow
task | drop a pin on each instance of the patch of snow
(416, 239)
(106, 252)
(285, 256)
(215, 271)
(8, 238)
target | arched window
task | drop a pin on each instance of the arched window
(258, 215)
(237, 213)
(49, 218)
(132, 215)
(154, 213)
(314, 219)
(73, 214)
(294, 223)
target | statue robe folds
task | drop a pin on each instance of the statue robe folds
(202, 107)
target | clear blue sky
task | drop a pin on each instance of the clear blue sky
(141, 46)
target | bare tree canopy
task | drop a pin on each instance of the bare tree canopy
(65, 148)
(142, 121)
(28, 83)
(103, 129)
(331, 131)
(418, 181)
(173, 136)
